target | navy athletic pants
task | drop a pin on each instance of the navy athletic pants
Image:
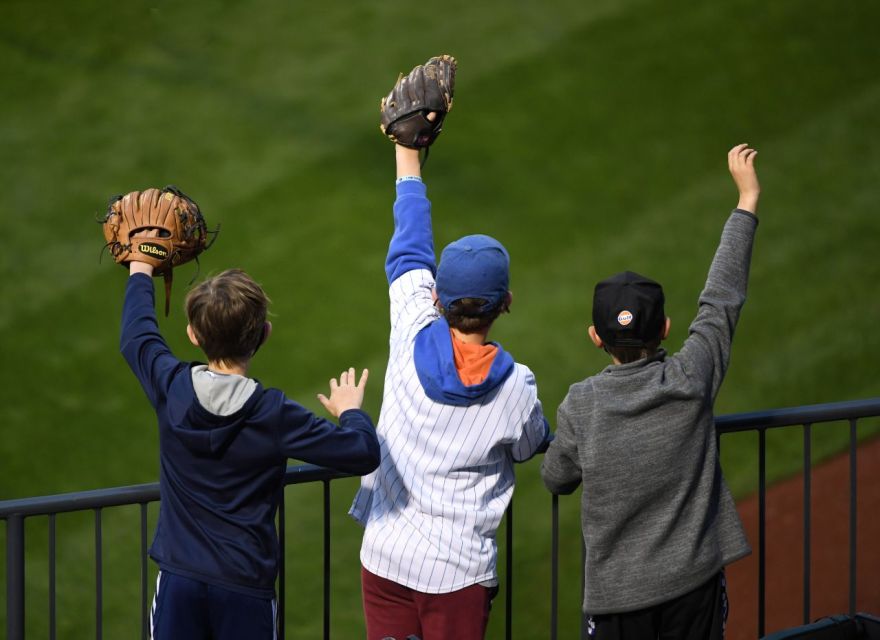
(186, 608)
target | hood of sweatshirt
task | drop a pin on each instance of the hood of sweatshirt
(435, 365)
(213, 411)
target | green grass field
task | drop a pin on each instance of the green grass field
(589, 137)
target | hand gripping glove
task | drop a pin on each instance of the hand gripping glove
(428, 87)
(164, 228)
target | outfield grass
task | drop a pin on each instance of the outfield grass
(589, 137)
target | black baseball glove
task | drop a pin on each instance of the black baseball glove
(428, 88)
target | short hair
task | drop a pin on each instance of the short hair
(465, 315)
(228, 313)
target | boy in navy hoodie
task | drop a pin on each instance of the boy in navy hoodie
(224, 441)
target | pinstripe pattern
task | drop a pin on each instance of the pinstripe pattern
(433, 506)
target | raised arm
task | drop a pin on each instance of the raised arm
(412, 116)
(140, 342)
(706, 352)
(412, 244)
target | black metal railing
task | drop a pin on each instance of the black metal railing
(805, 417)
(14, 512)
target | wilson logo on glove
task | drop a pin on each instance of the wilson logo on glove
(153, 250)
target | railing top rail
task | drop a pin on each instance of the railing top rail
(302, 473)
(80, 500)
(299, 474)
(135, 494)
(807, 414)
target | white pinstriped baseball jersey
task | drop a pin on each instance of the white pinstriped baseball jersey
(433, 506)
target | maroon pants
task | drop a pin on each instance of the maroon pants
(395, 611)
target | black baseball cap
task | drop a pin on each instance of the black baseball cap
(628, 310)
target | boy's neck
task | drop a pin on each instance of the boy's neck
(478, 337)
(647, 355)
(234, 368)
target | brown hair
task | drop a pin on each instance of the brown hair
(228, 316)
(465, 314)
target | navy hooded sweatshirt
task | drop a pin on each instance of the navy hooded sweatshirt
(221, 477)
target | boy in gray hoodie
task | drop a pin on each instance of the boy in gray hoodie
(659, 522)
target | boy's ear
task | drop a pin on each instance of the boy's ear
(595, 337)
(192, 335)
(666, 328)
(267, 331)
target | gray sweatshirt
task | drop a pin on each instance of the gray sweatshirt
(657, 517)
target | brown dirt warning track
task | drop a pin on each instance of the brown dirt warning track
(829, 545)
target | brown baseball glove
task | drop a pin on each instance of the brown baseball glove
(428, 88)
(164, 228)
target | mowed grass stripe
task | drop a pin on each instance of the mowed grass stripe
(190, 110)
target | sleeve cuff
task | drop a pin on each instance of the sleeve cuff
(358, 415)
(411, 188)
(747, 213)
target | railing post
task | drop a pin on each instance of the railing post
(762, 526)
(99, 578)
(52, 623)
(15, 577)
(144, 569)
(508, 582)
(808, 470)
(282, 567)
(584, 629)
(853, 482)
(326, 559)
(554, 569)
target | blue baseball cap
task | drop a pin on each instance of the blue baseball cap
(475, 266)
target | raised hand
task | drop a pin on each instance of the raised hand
(345, 394)
(741, 162)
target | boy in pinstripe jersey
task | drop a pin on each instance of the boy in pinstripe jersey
(457, 412)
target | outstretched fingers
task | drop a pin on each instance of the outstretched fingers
(347, 393)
